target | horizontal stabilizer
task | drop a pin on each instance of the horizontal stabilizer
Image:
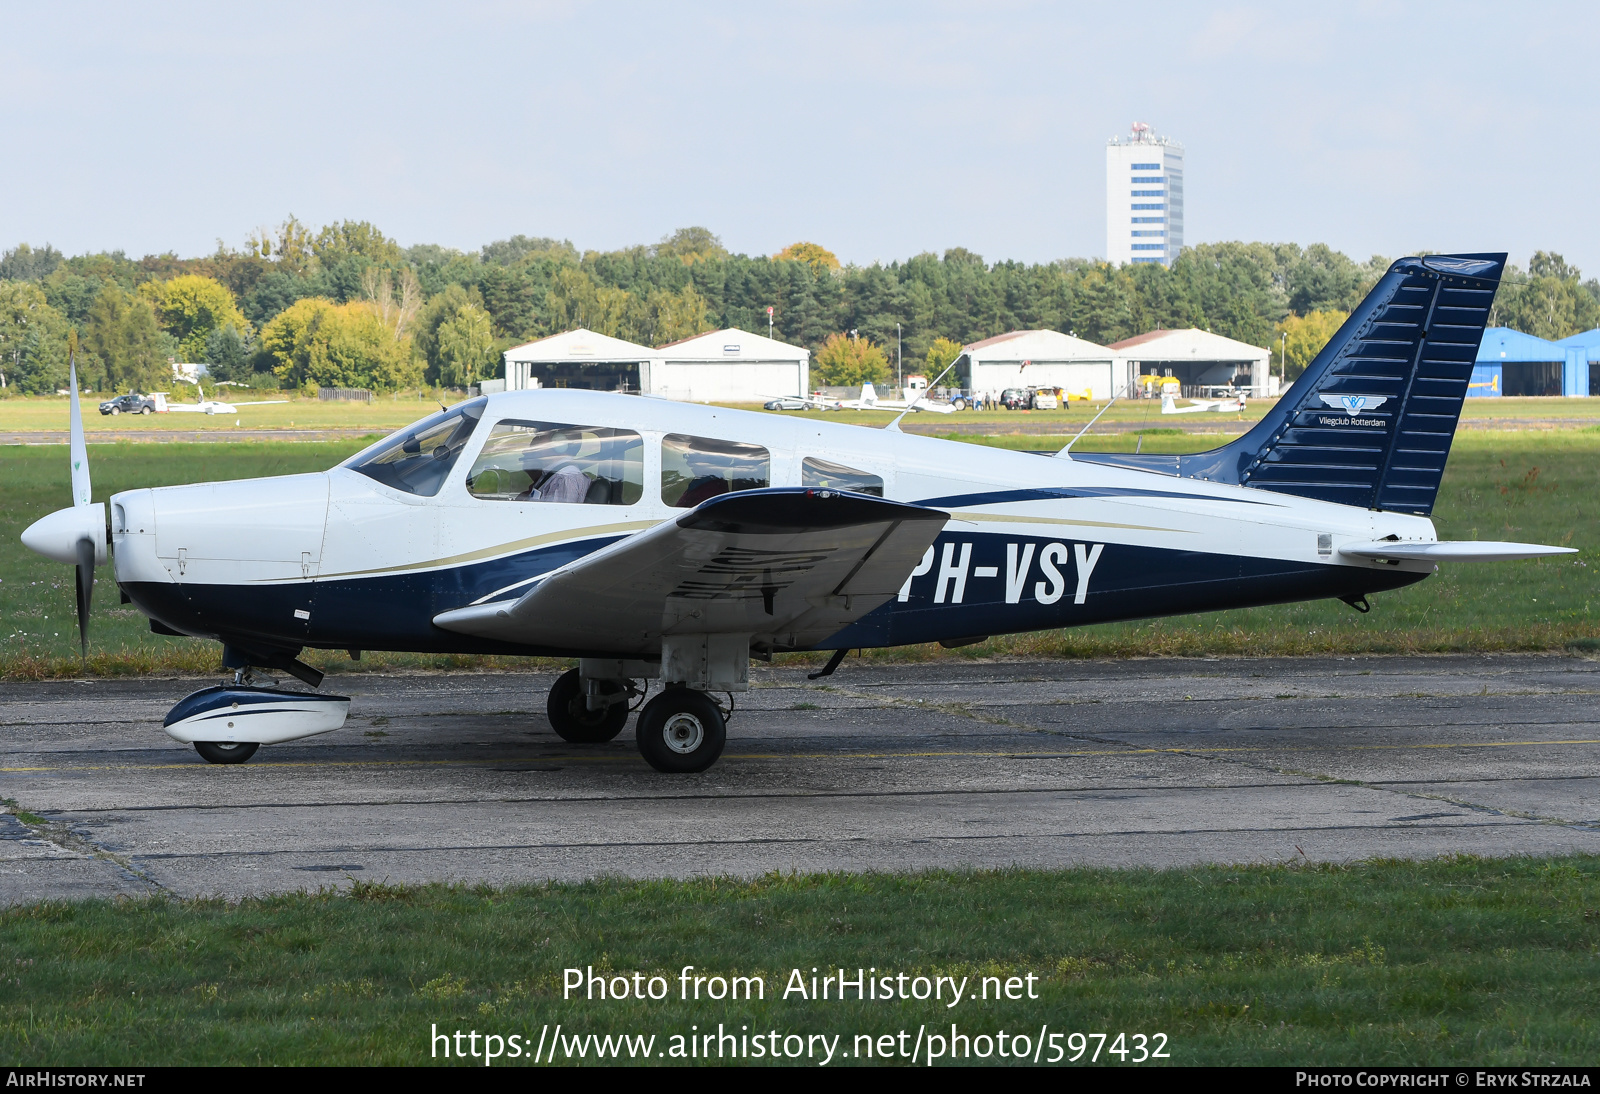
(1461, 550)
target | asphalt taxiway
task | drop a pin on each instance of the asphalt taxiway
(957, 764)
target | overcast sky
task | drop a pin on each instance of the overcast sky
(876, 130)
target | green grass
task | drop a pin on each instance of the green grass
(1539, 486)
(1450, 961)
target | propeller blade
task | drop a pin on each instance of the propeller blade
(86, 551)
(80, 450)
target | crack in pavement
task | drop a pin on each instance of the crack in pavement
(60, 835)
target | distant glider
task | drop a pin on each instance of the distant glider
(211, 406)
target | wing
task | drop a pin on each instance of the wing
(789, 566)
(263, 402)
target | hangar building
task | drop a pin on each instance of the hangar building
(1587, 378)
(1041, 358)
(726, 366)
(1512, 363)
(577, 358)
(1198, 359)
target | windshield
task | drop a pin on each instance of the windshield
(418, 458)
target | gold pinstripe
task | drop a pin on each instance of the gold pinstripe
(504, 548)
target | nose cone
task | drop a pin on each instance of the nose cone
(56, 536)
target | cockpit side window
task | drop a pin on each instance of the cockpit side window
(696, 468)
(545, 461)
(418, 458)
(823, 475)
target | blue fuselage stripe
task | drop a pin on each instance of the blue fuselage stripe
(992, 594)
(1053, 493)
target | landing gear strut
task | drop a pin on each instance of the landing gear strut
(571, 717)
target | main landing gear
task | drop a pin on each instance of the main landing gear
(680, 731)
(578, 721)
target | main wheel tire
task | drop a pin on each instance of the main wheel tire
(225, 752)
(681, 731)
(571, 718)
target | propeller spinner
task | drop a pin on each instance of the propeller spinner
(76, 536)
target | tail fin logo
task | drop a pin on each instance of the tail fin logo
(1353, 404)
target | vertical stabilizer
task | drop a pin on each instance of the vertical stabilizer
(1370, 421)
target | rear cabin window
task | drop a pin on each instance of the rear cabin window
(823, 475)
(545, 461)
(696, 468)
(418, 458)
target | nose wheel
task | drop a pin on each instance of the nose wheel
(681, 731)
(571, 718)
(225, 752)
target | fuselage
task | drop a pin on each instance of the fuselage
(353, 559)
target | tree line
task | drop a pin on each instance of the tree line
(347, 306)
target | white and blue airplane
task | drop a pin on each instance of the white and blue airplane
(662, 543)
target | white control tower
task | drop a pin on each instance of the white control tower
(1144, 198)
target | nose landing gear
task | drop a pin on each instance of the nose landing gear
(221, 752)
(227, 724)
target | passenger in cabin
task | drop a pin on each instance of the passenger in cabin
(708, 482)
(695, 469)
(567, 482)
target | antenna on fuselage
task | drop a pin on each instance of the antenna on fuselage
(895, 425)
(1086, 428)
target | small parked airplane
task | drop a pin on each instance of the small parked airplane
(1169, 405)
(670, 543)
(869, 401)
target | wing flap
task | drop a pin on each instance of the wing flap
(793, 565)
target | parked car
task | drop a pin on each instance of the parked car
(1045, 399)
(133, 403)
(788, 402)
(1016, 398)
